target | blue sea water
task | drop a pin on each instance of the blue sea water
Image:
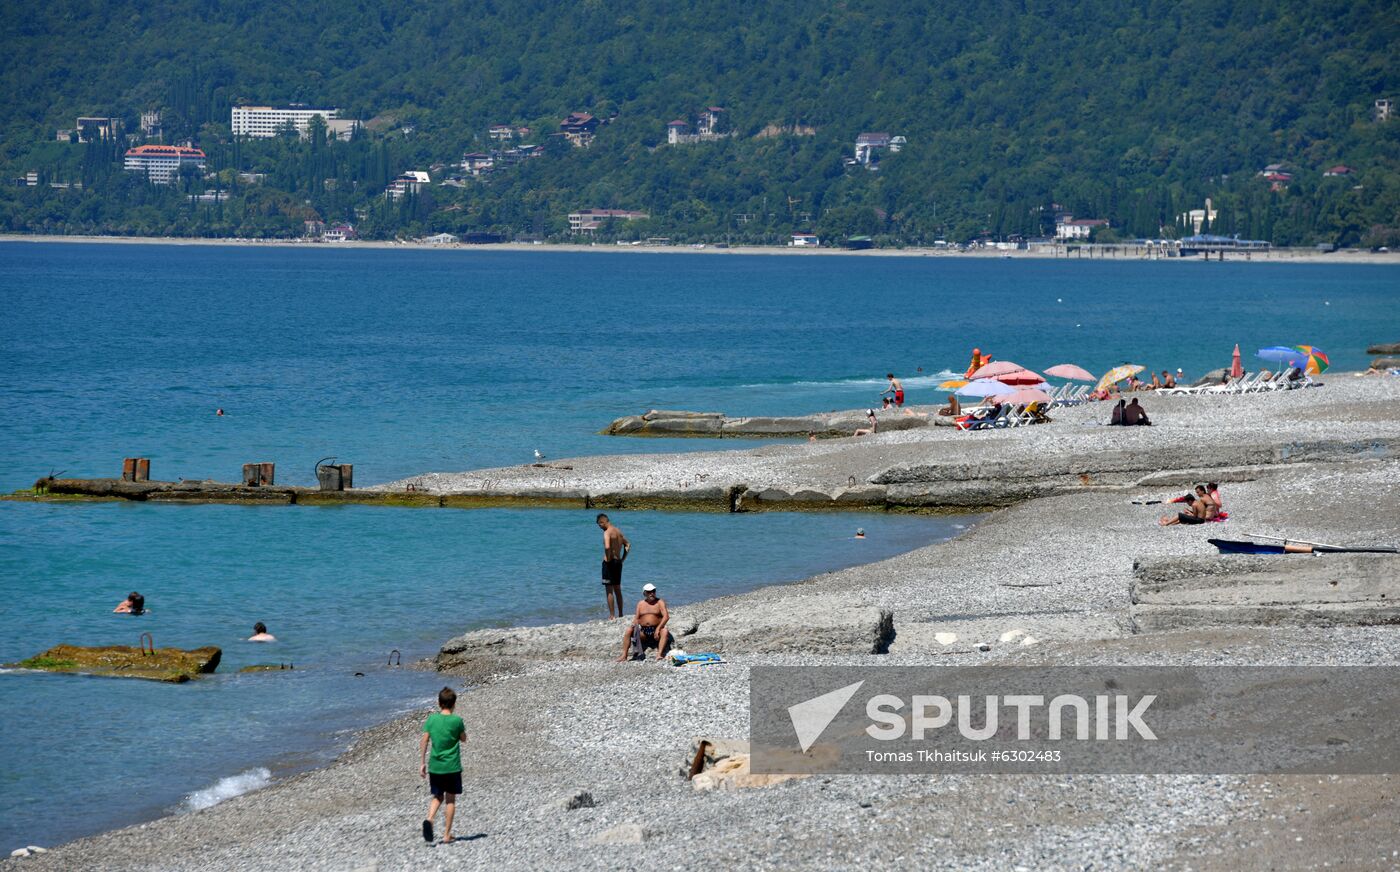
(409, 361)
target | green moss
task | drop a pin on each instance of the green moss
(49, 664)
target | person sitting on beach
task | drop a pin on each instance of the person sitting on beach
(872, 429)
(811, 435)
(896, 388)
(134, 604)
(648, 627)
(1202, 509)
(1037, 413)
(885, 403)
(260, 633)
(1116, 417)
(953, 409)
(1135, 416)
(1167, 380)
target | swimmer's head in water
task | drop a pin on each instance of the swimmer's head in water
(138, 602)
(259, 628)
(602, 519)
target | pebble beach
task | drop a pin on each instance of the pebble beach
(575, 760)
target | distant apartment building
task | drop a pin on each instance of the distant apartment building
(589, 220)
(93, 129)
(501, 132)
(265, 122)
(1197, 218)
(579, 128)
(1078, 228)
(162, 163)
(410, 182)
(1384, 109)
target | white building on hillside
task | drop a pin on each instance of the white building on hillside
(590, 220)
(1071, 228)
(265, 122)
(410, 182)
(161, 163)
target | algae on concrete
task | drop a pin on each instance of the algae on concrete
(123, 661)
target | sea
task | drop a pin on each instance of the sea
(409, 361)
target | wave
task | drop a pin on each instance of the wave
(228, 788)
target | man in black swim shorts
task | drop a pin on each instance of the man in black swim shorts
(615, 551)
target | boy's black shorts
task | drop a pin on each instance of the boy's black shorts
(444, 782)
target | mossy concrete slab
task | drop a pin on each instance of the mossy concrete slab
(123, 661)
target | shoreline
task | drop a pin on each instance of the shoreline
(548, 726)
(1274, 256)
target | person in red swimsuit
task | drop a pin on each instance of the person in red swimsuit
(896, 388)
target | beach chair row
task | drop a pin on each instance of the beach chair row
(1000, 417)
(1071, 395)
(1249, 383)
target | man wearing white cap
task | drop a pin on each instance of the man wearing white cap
(648, 626)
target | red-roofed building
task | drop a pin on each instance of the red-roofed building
(1339, 170)
(162, 163)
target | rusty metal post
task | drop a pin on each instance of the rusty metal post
(143, 469)
(129, 469)
(268, 472)
(347, 476)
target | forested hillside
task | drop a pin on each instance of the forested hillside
(1128, 110)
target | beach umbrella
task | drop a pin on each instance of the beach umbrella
(1236, 368)
(952, 383)
(1311, 360)
(1021, 378)
(997, 369)
(1025, 397)
(1117, 374)
(984, 388)
(1317, 361)
(1070, 371)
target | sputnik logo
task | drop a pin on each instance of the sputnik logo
(811, 718)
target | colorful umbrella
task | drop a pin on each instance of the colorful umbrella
(1117, 374)
(952, 383)
(1311, 360)
(1236, 368)
(984, 388)
(1070, 371)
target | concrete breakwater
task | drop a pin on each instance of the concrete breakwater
(717, 425)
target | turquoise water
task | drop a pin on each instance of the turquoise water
(402, 362)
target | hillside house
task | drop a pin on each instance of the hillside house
(706, 128)
(579, 128)
(338, 233)
(1196, 218)
(1339, 170)
(477, 163)
(410, 182)
(501, 132)
(867, 146)
(93, 129)
(804, 240)
(1074, 228)
(1384, 109)
(708, 124)
(588, 221)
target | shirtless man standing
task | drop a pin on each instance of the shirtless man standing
(648, 625)
(615, 550)
(896, 389)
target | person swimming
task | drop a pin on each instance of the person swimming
(260, 633)
(134, 604)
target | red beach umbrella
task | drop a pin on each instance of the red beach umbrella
(1236, 368)
(1024, 397)
(1070, 371)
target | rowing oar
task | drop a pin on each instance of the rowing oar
(1344, 548)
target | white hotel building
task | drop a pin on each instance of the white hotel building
(161, 163)
(265, 122)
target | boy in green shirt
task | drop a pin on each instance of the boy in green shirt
(445, 733)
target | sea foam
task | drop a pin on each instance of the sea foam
(228, 788)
